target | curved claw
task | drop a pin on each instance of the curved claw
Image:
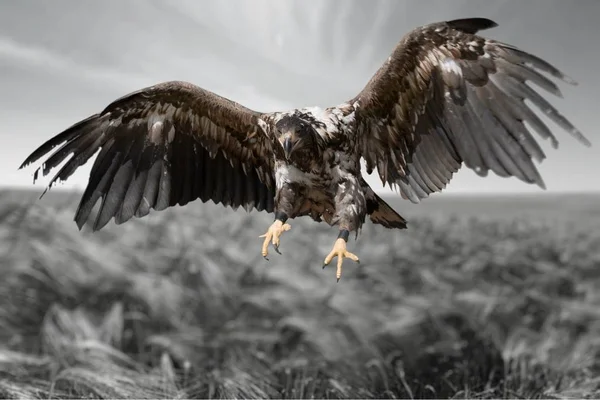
(272, 237)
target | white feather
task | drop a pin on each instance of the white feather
(286, 173)
(263, 125)
(451, 66)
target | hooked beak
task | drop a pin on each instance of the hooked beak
(287, 146)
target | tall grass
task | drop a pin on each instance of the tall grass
(180, 304)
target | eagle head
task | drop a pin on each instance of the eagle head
(295, 134)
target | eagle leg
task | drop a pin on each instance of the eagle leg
(274, 232)
(339, 251)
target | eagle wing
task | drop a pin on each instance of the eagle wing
(447, 96)
(164, 145)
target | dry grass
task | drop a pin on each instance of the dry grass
(180, 304)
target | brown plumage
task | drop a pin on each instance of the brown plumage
(165, 145)
(445, 97)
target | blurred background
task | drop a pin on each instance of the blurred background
(493, 291)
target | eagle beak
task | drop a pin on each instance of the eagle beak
(287, 146)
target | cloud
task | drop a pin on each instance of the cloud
(40, 57)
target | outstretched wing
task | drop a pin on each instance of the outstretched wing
(165, 145)
(447, 96)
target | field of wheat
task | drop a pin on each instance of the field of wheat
(180, 304)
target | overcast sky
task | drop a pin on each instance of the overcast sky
(63, 60)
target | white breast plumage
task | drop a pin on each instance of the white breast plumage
(285, 173)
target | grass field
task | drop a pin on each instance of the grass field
(479, 298)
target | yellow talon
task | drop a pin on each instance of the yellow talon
(339, 250)
(272, 236)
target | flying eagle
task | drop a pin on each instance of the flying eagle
(444, 97)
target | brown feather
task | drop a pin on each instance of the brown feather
(165, 145)
(447, 96)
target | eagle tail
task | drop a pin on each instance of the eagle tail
(382, 214)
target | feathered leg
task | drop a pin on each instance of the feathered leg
(288, 198)
(351, 209)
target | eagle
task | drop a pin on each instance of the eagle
(445, 97)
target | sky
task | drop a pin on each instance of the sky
(63, 60)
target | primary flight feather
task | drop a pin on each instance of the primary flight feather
(445, 97)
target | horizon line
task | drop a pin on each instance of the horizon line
(387, 192)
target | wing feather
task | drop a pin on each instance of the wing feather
(135, 185)
(483, 137)
(447, 96)
(162, 146)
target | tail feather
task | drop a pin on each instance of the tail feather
(381, 213)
